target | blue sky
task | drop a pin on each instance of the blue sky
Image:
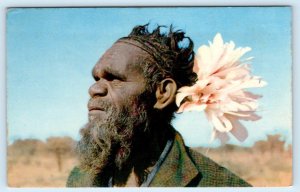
(51, 51)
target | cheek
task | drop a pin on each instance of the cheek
(126, 95)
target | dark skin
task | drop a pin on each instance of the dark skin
(118, 77)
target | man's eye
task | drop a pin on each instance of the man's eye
(111, 77)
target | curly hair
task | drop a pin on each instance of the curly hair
(169, 56)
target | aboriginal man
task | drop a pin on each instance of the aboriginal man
(129, 140)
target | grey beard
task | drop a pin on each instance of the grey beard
(107, 144)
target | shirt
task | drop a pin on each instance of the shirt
(182, 167)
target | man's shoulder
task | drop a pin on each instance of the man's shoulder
(212, 174)
(186, 167)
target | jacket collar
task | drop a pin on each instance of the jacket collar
(178, 169)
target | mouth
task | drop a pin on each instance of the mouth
(95, 106)
(95, 109)
(96, 112)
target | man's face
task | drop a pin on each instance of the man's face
(118, 79)
(118, 110)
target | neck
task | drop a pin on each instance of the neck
(147, 150)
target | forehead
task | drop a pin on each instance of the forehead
(121, 57)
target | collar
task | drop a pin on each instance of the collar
(155, 169)
(178, 169)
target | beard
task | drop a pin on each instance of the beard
(107, 145)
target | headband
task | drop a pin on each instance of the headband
(147, 46)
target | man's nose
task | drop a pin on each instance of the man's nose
(98, 89)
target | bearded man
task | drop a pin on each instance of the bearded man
(129, 140)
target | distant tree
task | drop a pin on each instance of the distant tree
(26, 147)
(273, 144)
(60, 146)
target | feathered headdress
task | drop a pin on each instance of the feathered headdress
(220, 89)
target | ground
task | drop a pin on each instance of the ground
(33, 163)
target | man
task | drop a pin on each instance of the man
(129, 140)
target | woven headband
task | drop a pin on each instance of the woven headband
(147, 46)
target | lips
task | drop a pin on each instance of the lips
(95, 111)
(95, 105)
(93, 108)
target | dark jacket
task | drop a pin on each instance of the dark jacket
(183, 167)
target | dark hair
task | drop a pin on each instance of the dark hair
(172, 58)
(169, 57)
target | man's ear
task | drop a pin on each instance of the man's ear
(165, 93)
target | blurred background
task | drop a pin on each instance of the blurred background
(50, 55)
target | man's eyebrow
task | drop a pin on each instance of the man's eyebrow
(108, 71)
(115, 73)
